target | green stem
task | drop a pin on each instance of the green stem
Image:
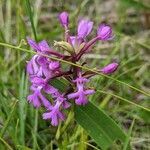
(8, 119)
(6, 144)
(124, 99)
(35, 129)
(82, 67)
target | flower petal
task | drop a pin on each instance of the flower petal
(43, 45)
(84, 28)
(33, 44)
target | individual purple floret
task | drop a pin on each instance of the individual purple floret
(43, 48)
(38, 47)
(43, 68)
(110, 68)
(40, 65)
(104, 32)
(54, 114)
(36, 98)
(64, 19)
(84, 29)
(32, 66)
(80, 95)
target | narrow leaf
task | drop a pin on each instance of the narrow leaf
(8, 119)
(127, 142)
(99, 125)
(30, 14)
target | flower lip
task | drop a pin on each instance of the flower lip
(81, 80)
(54, 114)
(81, 94)
(54, 65)
(37, 80)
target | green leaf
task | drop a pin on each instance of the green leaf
(22, 106)
(144, 115)
(6, 123)
(99, 125)
(30, 14)
(94, 120)
(60, 84)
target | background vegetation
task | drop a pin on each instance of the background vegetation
(21, 126)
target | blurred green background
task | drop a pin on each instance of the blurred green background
(21, 126)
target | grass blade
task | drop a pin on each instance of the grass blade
(8, 119)
(124, 99)
(128, 136)
(99, 126)
(35, 130)
(6, 144)
(22, 104)
(82, 67)
(30, 13)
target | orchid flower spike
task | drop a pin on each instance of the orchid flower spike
(43, 69)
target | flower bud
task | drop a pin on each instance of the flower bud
(110, 68)
(65, 45)
(104, 32)
(64, 19)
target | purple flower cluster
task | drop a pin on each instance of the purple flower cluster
(42, 69)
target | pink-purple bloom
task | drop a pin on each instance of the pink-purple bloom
(36, 98)
(38, 47)
(80, 95)
(104, 32)
(64, 19)
(42, 68)
(84, 28)
(110, 68)
(54, 114)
